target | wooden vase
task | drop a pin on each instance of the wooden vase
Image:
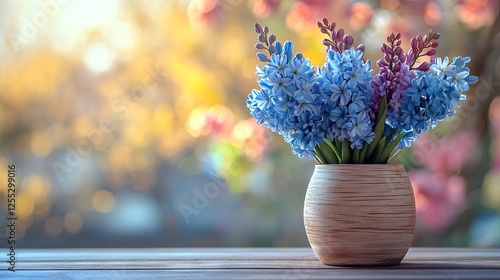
(359, 214)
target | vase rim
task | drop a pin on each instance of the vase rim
(368, 166)
(360, 164)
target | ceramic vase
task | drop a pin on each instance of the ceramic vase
(359, 214)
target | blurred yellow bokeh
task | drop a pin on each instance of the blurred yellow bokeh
(73, 222)
(103, 201)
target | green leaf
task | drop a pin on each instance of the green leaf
(379, 149)
(317, 159)
(382, 107)
(329, 155)
(379, 127)
(319, 154)
(387, 150)
(393, 155)
(346, 153)
(362, 154)
(355, 155)
(338, 144)
(334, 149)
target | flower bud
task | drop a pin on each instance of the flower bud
(348, 41)
(420, 43)
(361, 47)
(272, 39)
(340, 34)
(409, 56)
(272, 49)
(340, 46)
(413, 43)
(327, 42)
(258, 28)
(262, 38)
(333, 35)
(424, 66)
(262, 57)
(383, 48)
(430, 52)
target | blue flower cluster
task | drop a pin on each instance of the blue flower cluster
(432, 96)
(305, 107)
(288, 101)
(363, 119)
(344, 83)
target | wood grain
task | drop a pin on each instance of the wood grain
(243, 263)
(359, 214)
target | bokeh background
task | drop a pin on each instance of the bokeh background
(127, 122)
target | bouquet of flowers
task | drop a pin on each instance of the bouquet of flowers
(341, 113)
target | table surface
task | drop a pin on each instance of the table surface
(242, 263)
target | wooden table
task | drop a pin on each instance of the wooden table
(242, 263)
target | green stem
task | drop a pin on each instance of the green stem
(355, 155)
(363, 152)
(319, 154)
(338, 145)
(346, 156)
(334, 149)
(387, 150)
(379, 149)
(380, 123)
(329, 155)
(317, 159)
(393, 155)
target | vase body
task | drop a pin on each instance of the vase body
(359, 214)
